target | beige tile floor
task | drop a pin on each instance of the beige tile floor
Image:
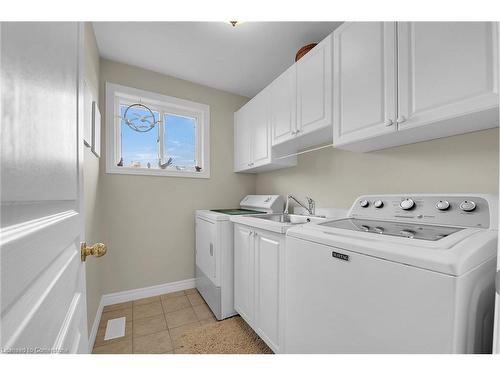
(153, 325)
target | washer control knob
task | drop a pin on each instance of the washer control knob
(442, 205)
(366, 228)
(467, 206)
(378, 204)
(364, 203)
(379, 230)
(407, 204)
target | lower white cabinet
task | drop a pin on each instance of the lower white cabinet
(244, 258)
(259, 282)
(268, 287)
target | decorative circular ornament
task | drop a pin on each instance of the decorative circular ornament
(136, 121)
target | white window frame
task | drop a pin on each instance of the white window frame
(162, 103)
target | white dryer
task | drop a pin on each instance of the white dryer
(214, 250)
(402, 274)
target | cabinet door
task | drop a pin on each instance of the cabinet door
(259, 125)
(268, 274)
(282, 106)
(314, 88)
(244, 272)
(242, 154)
(364, 81)
(446, 69)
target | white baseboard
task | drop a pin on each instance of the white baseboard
(150, 291)
(133, 294)
(95, 326)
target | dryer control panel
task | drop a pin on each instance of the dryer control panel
(456, 210)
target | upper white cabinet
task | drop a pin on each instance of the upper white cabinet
(252, 141)
(259, 129)
(446, 69)
(314, 88)
(364, 77)
(252, 137)
(297, 110)
(242, 153)
(403, 83)
(282, 106)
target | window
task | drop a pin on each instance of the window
(153, 134)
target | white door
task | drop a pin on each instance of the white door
(259, 125)
(43, 302)
(282, 106)
(496, 337)
(446, 69)
(364, 81)
(244, 272)
(496, 334)
(268, 275)
(242, 155)
(205, 248)
(314, 88)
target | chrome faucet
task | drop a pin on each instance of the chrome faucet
(311, 204)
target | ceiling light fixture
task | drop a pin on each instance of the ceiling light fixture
(234, 23)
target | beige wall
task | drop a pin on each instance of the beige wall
(149, 221)
(334, 178)
(91, 182)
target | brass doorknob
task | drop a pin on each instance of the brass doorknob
(97, 250)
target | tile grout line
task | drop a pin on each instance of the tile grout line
(132, 338)
(166, 325)
(164, 314)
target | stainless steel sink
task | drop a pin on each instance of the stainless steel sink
(288, 218)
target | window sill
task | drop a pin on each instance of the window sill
(157, 172)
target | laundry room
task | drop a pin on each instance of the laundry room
(196, 186)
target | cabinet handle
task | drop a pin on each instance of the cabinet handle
(401, 119)
(388, 122)
(211, 249)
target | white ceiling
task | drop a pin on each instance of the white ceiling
(242, 60)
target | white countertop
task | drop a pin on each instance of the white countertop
(279, 227)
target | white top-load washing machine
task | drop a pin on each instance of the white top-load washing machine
(401, 274)
(214, 250)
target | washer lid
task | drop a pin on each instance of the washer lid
(393, 228)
